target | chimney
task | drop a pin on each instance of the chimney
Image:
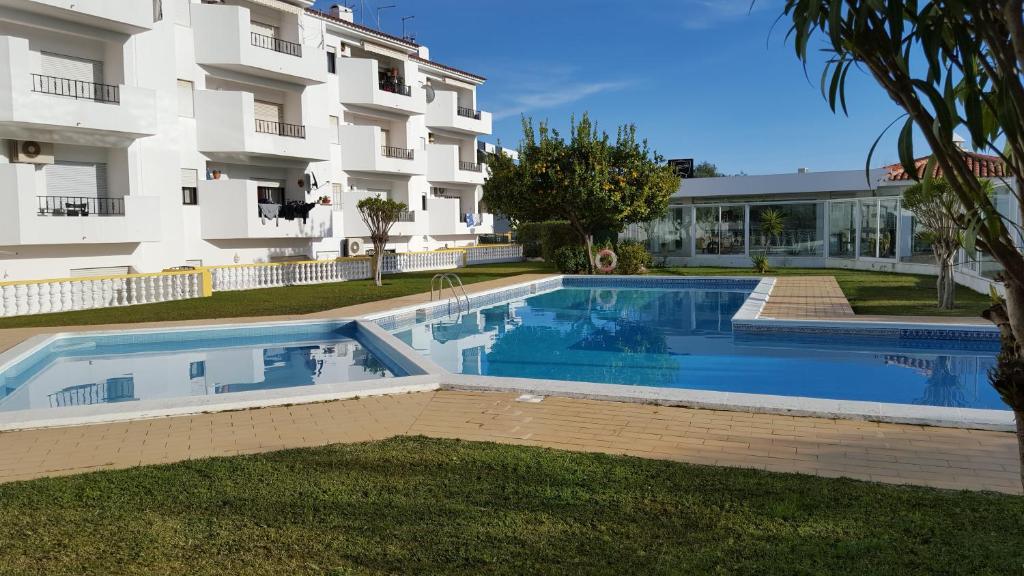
(341, 12)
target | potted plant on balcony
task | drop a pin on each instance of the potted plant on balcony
(325, 200)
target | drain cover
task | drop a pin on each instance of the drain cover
(531, 398)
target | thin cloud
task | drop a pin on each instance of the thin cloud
(564, 93)
(704, 14)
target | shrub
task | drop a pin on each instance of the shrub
(760, 263)
(633, 258)
(570, 259)
(545, 238)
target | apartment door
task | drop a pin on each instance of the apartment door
(270, 193)
(385, 137)
(269, 116)
(71, 76)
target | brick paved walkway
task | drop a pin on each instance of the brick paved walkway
(940, 457)
(806, 297)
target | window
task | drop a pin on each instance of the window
(721, 229)
(197, 369)
(842, 229)
(336, 193)
(800, 231)
(332, 60)
(878, 227)
(189, 186)
(186, 99)
(335, 135)
(270, 194)
(423, 202)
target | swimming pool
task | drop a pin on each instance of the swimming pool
(683, 338)
(122, 371)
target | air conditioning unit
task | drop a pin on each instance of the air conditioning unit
(354, 247)
(31, 152)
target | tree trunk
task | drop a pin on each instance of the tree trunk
(1008, 374)
(589, 240)
(944, 284)
(1018, 415)
(378, 267)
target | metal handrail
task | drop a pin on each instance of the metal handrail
(469, 166)
(280, 128)
(395, 87)
(451, 277)
(395, 152)
(276, 44)
(76, 89)
(467, 112)
(80, 206)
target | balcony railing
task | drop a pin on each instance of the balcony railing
(276, 44)
(406, 216)
(467, 112)
(470, 166)
(401, 153)
(80, 206)
(280, 129)
(395, 87)
(76, 89)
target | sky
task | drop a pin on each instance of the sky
(703, 79)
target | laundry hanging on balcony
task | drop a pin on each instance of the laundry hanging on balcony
(294, 210)
(269, 212)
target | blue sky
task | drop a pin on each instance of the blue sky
(699, 78)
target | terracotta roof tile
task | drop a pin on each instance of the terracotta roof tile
(983, 166)
(445, 67)
(361, 28)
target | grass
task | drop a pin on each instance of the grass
(870, 292)
(427, 506)
(304, 299)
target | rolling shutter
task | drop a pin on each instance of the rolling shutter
(189, 178)
(78, 179)
(264, 29)
(71, 67)
(268, 111)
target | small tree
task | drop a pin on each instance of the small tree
(379, 215)
(706, 170)
(772, 225)
(589, 181)
(937, 207)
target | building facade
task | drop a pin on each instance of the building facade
(140, 135)
(839, 219)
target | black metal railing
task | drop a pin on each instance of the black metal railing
(393, 152)
(395, 87)
(76, 89)
(406, 216)
(80, 206)
(470, 166)
(280, 128)
(468, 112)
(276, 44)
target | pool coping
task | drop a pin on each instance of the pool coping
(426, 375)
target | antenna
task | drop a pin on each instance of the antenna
(379, 8)
(404, 35)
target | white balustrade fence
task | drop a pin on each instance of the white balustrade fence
(494, 254)
(68, 294)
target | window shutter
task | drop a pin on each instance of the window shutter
(189, 178)
(264, 29)
(336, 191)
(71, 67)
(82, 179)
(186, 99)
(268, 111)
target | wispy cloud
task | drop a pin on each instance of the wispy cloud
(559, 94)
(704, 14)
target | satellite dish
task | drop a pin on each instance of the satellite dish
(430, 93)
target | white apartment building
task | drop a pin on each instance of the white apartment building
(140, 135)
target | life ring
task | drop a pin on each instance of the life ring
(606, 302)
(613, 261)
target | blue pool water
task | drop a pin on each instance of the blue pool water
(683, 339)
(108, 369)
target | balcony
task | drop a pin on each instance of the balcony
(224, 38)
(229, 210)
(444, 166)
(124, 17)
(360, 85)
(32, 217)
(363, 150)
(226, 126)
(51, 109)
(445, 113)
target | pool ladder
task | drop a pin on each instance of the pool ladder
(458, 291)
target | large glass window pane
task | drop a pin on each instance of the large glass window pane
(800, 230)
(920, 247)
(888, 217)
(869, 228)
(733, 232)
(707, 241)
(842, 235)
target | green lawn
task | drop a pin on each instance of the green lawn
(423, 506)
(870, 292)
(273, 301)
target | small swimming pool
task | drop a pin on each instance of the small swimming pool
(683, 338)
(140, 368)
